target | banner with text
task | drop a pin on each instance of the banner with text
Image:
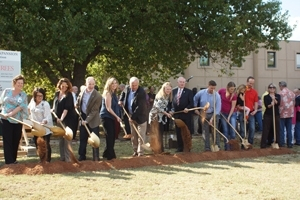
(10, 66)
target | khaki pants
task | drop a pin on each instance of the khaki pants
(135, 139)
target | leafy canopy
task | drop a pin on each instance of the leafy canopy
(145, 38)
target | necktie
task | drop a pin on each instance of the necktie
(178, 95)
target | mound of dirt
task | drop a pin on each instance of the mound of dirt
(147, 160)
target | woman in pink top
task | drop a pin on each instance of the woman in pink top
(228, 103)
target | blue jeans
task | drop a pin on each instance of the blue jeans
(286, 123)
(297, 132)
(258, 119)
(251, 123)
(227, 130)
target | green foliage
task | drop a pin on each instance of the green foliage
(152, 40)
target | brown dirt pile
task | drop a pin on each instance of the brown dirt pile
(148, 160)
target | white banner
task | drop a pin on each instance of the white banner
(10, 66)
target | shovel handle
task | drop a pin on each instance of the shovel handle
(218, 131)
(54, 114)
(87, 129)
(12, 118)
(136, 130)
(196, 108)
(232, 126)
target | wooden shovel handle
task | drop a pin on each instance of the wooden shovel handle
(12, 118)
(87, 129)
(218, 131)
(54, 114)
(134, 125)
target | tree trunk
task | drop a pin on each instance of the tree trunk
(79, 73)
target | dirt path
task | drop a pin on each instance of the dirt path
(148, 160)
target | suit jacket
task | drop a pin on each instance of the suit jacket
(139, 104)
(92, 110)
(185, 101)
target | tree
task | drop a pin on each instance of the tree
(60, 38)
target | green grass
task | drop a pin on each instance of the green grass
(272, 177)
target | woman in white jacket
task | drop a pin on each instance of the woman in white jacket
(40, 111)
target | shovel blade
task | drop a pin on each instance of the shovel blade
(275, 146)
(146, 147)
(214, 148)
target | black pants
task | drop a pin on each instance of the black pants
(47, 140)
(127, 125)
(11, 138)
(267, 126)
(109, 129)
(83, 138)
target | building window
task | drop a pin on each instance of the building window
(204, 60)
(298, 60)
(271, 59)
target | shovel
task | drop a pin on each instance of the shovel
(144, 146)
(203, 108)
(245, 140)
(214, 147)
(37, 129)
(274, 144)
(245, 143)
(57, 131)
(68, 131)
(126, 136)
(93, 139)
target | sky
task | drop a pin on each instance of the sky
(293, 6)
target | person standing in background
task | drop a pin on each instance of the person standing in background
(297, 116)
(258, 115)
(286, 110)
(75, 94)
(14, 104)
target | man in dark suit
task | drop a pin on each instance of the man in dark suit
(136, 106)
(88, 103)
(182, 100)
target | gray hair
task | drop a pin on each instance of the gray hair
(282, 84)
(133, 79)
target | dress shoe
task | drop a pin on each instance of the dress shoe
(298, 144)
(81, 158)
(179, 150)
(290, 146)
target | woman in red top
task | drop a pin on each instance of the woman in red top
(228, 103)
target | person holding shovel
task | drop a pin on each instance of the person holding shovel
(40, 111)
(63, 107)
(228, 110)
(270, 100)
(161, 112)
(110, 113)
(88, 104)
(133, 101)
(14, 104)
(201, 98)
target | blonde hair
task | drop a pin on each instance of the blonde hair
(108, 84)
(161, 93)
(241, 87)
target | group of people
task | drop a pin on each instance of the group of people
(225, 106)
